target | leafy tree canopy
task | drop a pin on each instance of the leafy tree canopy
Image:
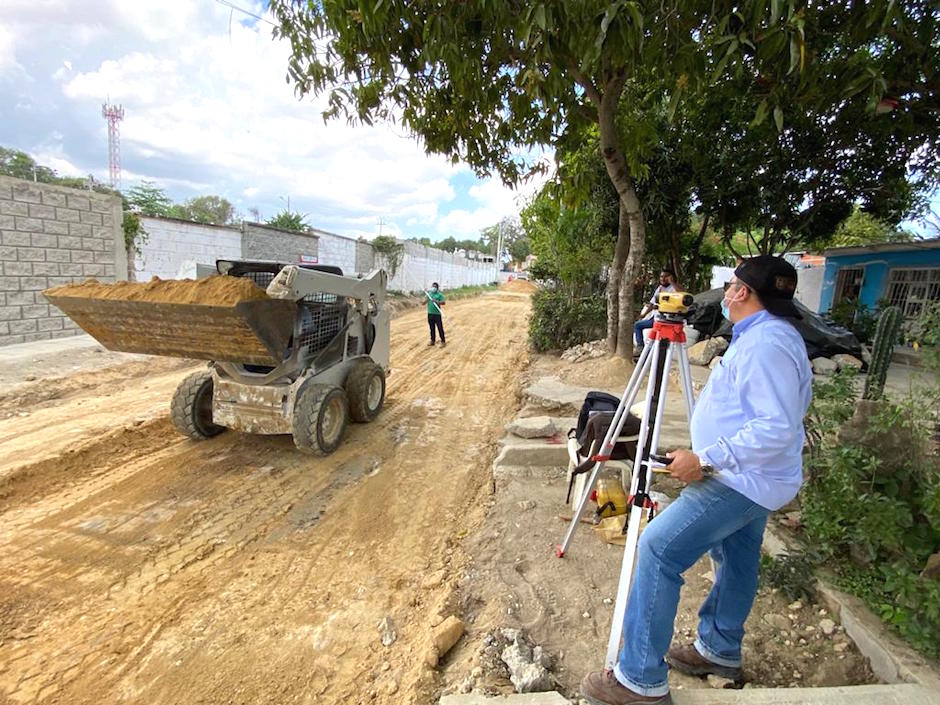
(149, 199)
(288, 220)
(213, 210)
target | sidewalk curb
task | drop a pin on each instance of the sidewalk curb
(891, 659)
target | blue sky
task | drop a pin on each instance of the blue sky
(208, 111)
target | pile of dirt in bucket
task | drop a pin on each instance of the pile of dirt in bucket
(216, 290)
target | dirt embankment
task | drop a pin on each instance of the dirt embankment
(136, 566)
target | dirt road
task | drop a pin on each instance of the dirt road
(139, 567)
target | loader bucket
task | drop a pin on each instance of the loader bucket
(254, 332)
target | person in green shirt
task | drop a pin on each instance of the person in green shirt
(435, 320)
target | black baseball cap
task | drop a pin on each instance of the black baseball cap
(773, 279)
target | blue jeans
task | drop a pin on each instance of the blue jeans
(708, 516)
(638, 329)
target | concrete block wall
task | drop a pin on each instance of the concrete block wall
(50, 236)
(264, 242)
(339, 251)
(172, 244)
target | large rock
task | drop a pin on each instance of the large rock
(702, 352)
(931, 571)
(843, 360)
(824, 366)
(532, 427)
(527, 666)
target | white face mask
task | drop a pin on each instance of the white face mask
(726, 307)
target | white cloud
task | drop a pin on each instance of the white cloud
(207, 110)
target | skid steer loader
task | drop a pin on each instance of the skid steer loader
(302, 360)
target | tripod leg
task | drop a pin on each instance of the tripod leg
(629, 394)
(636, 512)
(685, 375)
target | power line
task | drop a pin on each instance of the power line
(245, 12)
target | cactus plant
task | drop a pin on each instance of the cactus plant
(886, 334)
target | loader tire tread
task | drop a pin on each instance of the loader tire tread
(358, 383)
(307, 432)
(188, 408)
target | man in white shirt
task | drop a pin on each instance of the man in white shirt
(667, 282)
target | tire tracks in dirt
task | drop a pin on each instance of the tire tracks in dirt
(143, 567)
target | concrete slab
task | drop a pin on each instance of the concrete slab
(549, 698)
(551, 394)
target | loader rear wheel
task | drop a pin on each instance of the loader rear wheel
(365, 388)
(319, 421)
(191, 409)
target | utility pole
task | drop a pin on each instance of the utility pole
(114, 114)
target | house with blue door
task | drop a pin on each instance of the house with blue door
(906, 275)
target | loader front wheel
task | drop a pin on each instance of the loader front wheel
(191, 409)
(319, 420)
(365, 389)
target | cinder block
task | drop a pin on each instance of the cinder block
(27, 191)
(39, 211)
(90, 217)
(36, 311)
(24, 326)
(17, 269)
(21, 298)
(106, 220)
(80, 229)
(34, 283)
(30, 337)
(13, 208)
(93, 270)
(43, 240)
(101, 205)
(53, 198)
(109, 271)
(69, 333)
(11, 237)
(12, 340)
(55, 227)
(60, 255)
(32, 225)
(93, 243)
(4, 330)
(7, 253)
(54, 281)
(78, 202)
(11, 313)
(30, 254)
(9, 283)
(104, 257)
(69, 270)
(69, 215)
(68, 242)
(50, 324)
(7, 222)
(49, 268)
(102, 232)
(83, 256)
(6, 192)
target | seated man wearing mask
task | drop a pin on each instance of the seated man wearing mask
(747, 429)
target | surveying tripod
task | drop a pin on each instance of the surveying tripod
(666, 338)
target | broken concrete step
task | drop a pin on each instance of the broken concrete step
(903, 694)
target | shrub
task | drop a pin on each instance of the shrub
(560, 321)
(871, 506)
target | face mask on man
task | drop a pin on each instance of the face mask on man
(725, 308)
(434, 289)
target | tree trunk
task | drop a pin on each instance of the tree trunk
(619, 174)
(613, 279)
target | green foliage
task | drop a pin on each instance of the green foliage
(886, 337)
(20, 165)
(794, 574)
(134, 233)
(288, 220)
(925, 331)
(862, 228)
(392, 251)
(871, 507)
(560, 321)
(149, 199)
(856, 317)
(212, 210)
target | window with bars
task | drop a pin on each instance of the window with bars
(848, 283)
(912, 289)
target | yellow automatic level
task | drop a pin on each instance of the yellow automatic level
(674, 301)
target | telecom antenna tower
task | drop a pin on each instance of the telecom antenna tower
(114, 114)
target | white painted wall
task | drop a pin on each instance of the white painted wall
(171, 244)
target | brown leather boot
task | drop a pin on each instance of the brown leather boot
(686, 659)
(601, 688)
